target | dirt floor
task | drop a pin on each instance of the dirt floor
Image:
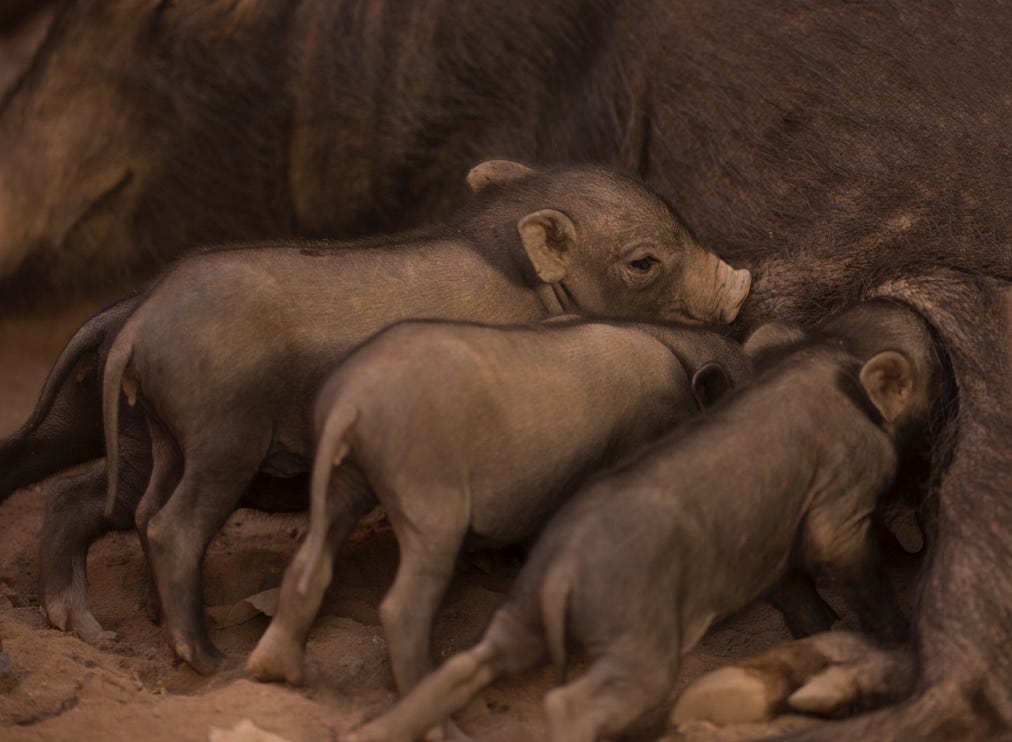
(132, 688)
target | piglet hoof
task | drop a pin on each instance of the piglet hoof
(80, 622)
(89, 630)
(829, 692)
(103, 640)
(59, 617)
(277, 658)
(729, 695)
(204, 660)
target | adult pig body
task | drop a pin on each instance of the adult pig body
(228, 349)
(465, 429)
(641, 561)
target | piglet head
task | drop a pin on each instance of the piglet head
(611, 248)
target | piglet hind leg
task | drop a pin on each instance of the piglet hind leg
(429, 539)
(166, 469)
(280, 653)
(177, 537)
(74, 519)
(617, 690)
(510, 645)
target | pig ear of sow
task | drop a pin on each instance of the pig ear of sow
(495, 172)
(548, 236)
(888, 380)
(710, 382)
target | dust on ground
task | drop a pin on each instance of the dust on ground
(133, 688)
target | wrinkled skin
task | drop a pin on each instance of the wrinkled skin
(639, 563)
(173, 124)
(108, 109)
(512, 420)
(838, 150)
(227, 350)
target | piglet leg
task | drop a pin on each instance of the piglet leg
(427, 561)
(166, 469)
(803, 609)
(280, 653)
(862, 580)
(618, 688)
(177, 537)
(510, 644)
(74, 518)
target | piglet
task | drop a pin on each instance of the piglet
(463, 429)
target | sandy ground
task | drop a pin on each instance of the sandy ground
(133, 688)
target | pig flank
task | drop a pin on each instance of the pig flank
(229, 347)
(464, 429)
(696, 526)
(321, 118)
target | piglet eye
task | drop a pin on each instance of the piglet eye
(643, 264)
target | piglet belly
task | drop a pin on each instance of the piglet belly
(506, 516)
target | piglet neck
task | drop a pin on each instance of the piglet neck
(555, 299)
(493, 234)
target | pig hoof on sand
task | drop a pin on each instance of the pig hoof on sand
(205, 661)
(276, 658)
(79, 622)
(729, 695)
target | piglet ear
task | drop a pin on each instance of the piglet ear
(548, 237)
(887, 378)
(495, 172)
(710, 382)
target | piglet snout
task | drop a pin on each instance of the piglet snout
(735, 289)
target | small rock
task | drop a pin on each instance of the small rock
(244, 731)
